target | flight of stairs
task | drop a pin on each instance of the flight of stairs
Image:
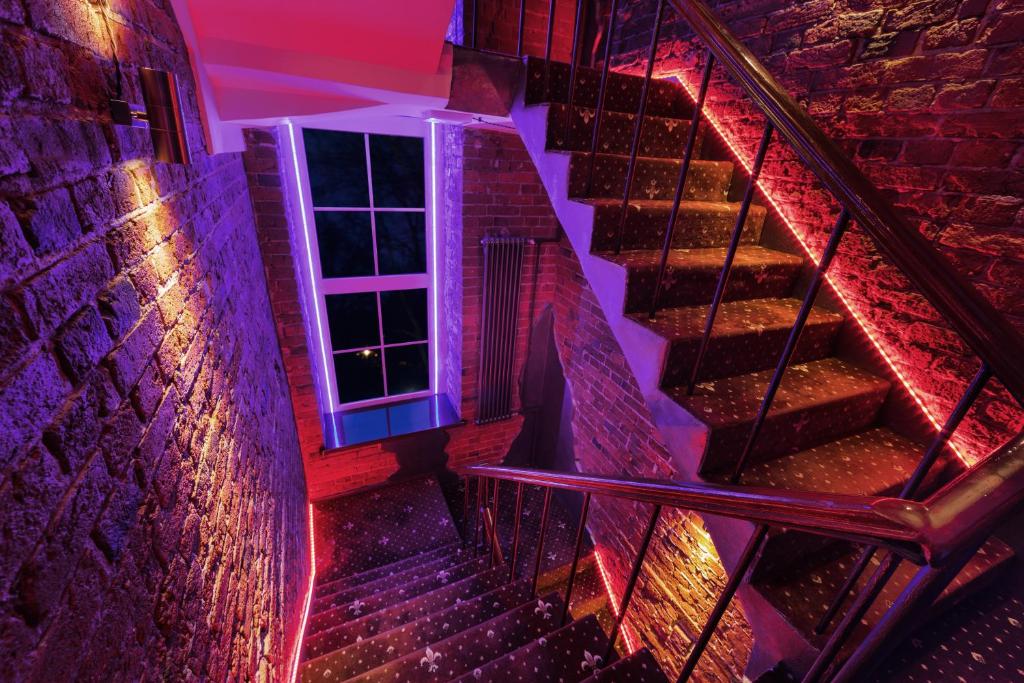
(400, 597)
(827, 430)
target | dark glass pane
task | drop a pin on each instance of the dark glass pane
(337, 168)
(359, 375)
(401, 242)
(353, 320)
(405, 315)
(397, 167)
(345, 240)
(407, 369)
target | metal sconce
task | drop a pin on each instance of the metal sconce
(161, 113)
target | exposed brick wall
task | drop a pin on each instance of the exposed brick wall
(614, 433)
(152, 505)
(497, 27)
(926, 98)
(285, 286)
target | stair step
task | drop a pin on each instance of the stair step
(802, 597)
(748, 336)
(660, 137)
(639, 667)
(369, 625)
(698, 224)
(473, 648)
(816, 402)
(566, 655)
(385, 583)
(398, 593)
(666, 97)
(877, 462)
(653, 178)
(326, 587)
(363, 531)
(368, 654)
(691, 275)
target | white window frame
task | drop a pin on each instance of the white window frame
(324, 287)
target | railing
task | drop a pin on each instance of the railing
(991, 337)
(941, 534)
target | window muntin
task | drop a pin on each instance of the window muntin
(372, 237)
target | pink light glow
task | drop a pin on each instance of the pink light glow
(294, 675)
(627, 632)
(312, 278)
(433, 256)
(781, 212)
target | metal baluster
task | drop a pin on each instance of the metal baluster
(730, 254)
(540, 538)
(794, 336)
(494, 524)
(639, 124)
(472, 35)
(910, 488)
(465, 509)
(522, 27)
(574, 59)
(601, 91)
(631, 583)
(857, 610)
(547, 49)
(480, 483)
(515, 534)
(691, 140)
(746, 559)
(581, 531)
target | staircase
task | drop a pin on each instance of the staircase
(400, 597)
(829, 429)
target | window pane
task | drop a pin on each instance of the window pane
(397, 167)
(359, 375)
(407, 369)
(345, 240)
(337, 168)
(401, 242)
(353, 320)
(405, 315)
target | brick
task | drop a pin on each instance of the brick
(15, 253)
(32, 394)
(82, 343)
(52, 296)
(119, 306)
(968, 96)
(1008, 94)
(128, 360)
(49, 221)
(950, 34)
(1007, 27)
(36, 486)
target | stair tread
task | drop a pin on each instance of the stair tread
(686, 323)
(876, 462)
(462, 652)
(660, 136)
(735, 400)
(655, 177)
(335, 585)
(705, 258)
(386, 583)
(368, 625)
(361, 656)
(562, 656)
(804, 596)
(639, 667)
(396, 594)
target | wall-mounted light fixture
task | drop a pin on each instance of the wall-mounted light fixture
(161, 113)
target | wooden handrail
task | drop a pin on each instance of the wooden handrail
(898, 525)
(981, 326)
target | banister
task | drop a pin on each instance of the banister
(978, 323)
(899, 525)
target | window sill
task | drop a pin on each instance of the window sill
(366, 425)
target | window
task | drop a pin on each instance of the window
(370, 240)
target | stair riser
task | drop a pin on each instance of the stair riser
(361, 657)
(791, 431)
(384, 599)
(365, 590)
(316, 644)
(653, 179)
(696, 228)
(665, 98)
(328, 584)
(740, 354)
(660, 137)
(694, 286)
